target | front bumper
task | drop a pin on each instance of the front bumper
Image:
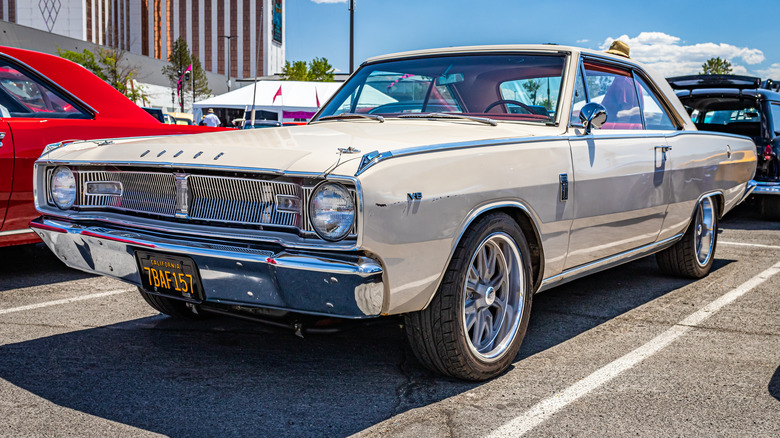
(322, 283)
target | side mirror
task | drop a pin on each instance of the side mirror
(593, 115)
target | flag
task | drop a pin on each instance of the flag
(278, 94)
(317, 96)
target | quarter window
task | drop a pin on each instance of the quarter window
(652, 110)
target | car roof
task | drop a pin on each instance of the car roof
(541, 48)
(82, 84)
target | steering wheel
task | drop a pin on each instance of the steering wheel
(513, 102)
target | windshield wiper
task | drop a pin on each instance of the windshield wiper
(484, 120)
(379, 119)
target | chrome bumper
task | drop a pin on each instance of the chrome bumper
(766, 188)
(322, 283)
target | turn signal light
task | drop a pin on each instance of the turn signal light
(768, 152)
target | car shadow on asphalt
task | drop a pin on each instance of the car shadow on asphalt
(227, 377)
(747, 216)
(574, 308)
(33, 265)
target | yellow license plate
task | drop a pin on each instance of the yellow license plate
(170, 275)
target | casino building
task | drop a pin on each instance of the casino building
(244, 36)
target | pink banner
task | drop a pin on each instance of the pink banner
(297, 114)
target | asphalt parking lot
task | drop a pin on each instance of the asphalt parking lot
(624, 352)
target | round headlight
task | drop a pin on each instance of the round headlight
(63, 187)
(331, 211)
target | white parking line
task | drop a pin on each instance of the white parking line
(752, 245)
(548, 407)
(64, 301)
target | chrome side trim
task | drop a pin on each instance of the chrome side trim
(15, 232)
(375, 157)
(606, 263)
(372, 158)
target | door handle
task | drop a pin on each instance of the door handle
(664, 150)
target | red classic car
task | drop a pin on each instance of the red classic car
(46, 99)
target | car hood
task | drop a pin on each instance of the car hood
(312, 148)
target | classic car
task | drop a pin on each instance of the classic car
(742, 105)
(444, 185)
(46, 99)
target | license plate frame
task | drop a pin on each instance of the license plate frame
(171, 275)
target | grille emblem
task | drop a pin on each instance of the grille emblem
(182, 195)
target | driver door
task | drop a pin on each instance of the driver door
(622, 172)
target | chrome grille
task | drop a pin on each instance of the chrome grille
(147, 192)
(246, 201)
(209, 198)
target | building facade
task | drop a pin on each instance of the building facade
(246, 36)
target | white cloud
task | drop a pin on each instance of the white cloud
(666, 54)
(329, 1)
(582, 41)
(771, 72)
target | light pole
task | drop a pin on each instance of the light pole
(230, 39)
(351, 36)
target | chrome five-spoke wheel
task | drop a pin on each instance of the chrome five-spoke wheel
(473, 327)
(493, 296)
(705, 228)
(693, 254)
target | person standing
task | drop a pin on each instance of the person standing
(212, 119)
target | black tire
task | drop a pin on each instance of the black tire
(770, 207)
(174, 308)
(692, 256)
(440, 335)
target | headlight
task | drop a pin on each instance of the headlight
(331, 211)
(63, 187)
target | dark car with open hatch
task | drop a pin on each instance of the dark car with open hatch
(741, 105)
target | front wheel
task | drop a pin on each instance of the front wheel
(475, 324)
(692, 256)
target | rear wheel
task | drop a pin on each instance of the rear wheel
(475, 324)
(692, 256)
(169, 306)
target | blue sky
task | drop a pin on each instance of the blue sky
(674, 37)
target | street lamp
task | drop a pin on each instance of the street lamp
(351, 36)
(229, 38)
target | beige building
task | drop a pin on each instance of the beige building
(246, 36)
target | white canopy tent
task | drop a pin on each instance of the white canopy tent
(290, 100)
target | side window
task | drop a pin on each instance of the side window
(579, 99)
(655, 116)
(776, 118)
(24, 96)
(614, 88)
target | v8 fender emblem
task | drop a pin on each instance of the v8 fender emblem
(414, 196)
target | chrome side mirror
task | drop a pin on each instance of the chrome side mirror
(593, 115)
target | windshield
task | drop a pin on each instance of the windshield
(502, 87)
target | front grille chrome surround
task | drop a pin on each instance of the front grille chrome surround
(210, 199)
